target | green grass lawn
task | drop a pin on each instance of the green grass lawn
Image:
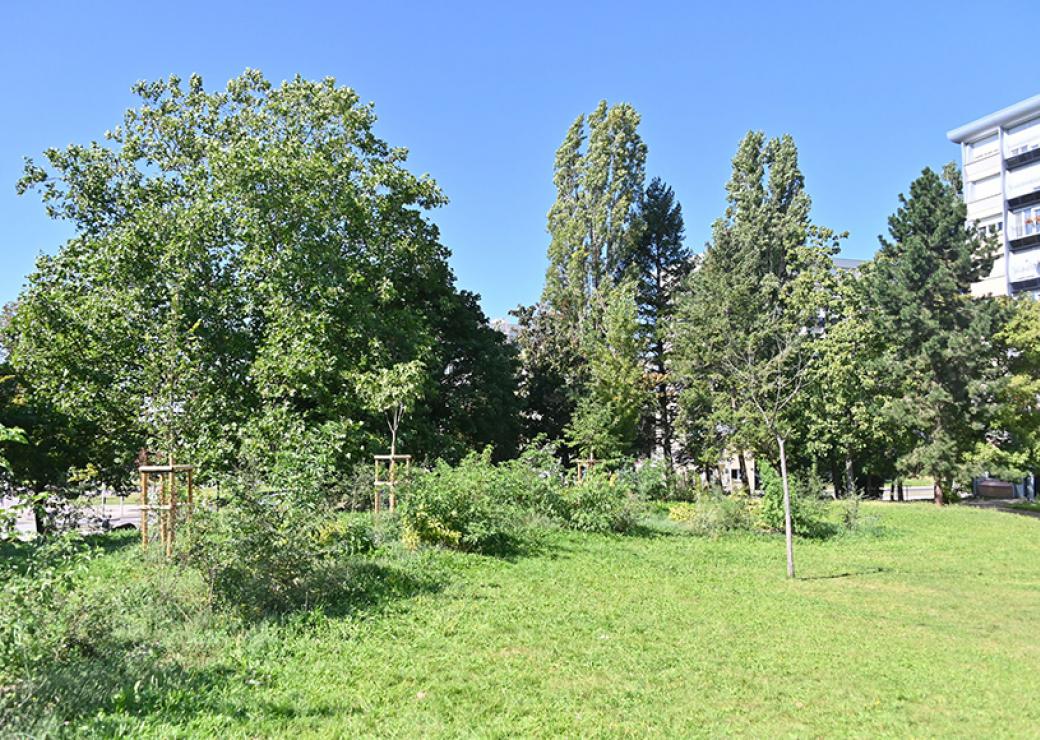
(925, 626)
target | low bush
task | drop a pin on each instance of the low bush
(601, 503)
(461, 507)
(534, 482)
(39, 617)
(649, 481)
(715, 512)
(808, 512)
(682, 511)
(266, 553)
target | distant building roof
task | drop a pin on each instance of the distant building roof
(507, 327)
(844, 263)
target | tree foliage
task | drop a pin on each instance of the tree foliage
(938, 339)
(239, 257)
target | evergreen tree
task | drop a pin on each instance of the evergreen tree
(659, 262)
(939, 340)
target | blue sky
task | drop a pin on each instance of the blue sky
(482, 93)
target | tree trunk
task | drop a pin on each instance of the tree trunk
(788, 535)
(899, 490)
(850, 478)
(743, 469)
(937, 492)
(40, 519)
(664, 408)
(836, 481)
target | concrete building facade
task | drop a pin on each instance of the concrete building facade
(1000, 156)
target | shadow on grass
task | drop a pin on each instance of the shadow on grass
(847, 574)
(168, 654)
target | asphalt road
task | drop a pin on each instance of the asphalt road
(117, 514)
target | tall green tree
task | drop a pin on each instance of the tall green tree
(939, 340)
(606, 420)
(753, 313)
(240, 256)
(1012, 450)
(762, 246)
(598, 174)
(659, 263)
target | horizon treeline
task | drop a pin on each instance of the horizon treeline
(254, 285)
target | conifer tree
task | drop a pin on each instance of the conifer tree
(659, 263)
(939, 339)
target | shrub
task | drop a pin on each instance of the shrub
(265, 553)
(682, 511)
(534, 482)
(459, 507)
(716, 512)
(600, 503)
(807, 511)
(347, 534)
(649, 481)
(37, 610)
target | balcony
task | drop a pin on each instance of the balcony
(1022, 201)
(1022, 155)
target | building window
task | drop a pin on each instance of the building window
(984, 188)
(1022, 138)
(1025, 222)
(983, 148)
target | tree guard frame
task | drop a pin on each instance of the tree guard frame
(168, 500)
(584, 467)
(387, 463)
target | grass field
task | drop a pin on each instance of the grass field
(925, 625)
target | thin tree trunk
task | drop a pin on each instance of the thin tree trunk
(788, 535)
(899, 490)
(40, 519)
(850, 478)
(836, 481)
(937, 492)
(744, 481)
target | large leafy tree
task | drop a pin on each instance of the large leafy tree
(842, 429)
(1013, 448)
(240, 256)
(659, 263)
(939, 341)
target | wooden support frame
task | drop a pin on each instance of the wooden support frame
(168, 499)
(387, 464)
(584, 467)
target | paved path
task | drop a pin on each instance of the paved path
(116, 513)
(1000, 504)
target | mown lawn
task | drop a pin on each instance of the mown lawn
(925, 626)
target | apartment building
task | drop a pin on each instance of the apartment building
(1000, 155)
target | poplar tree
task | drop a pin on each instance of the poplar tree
(598, 174)
(751, 258)
(747, 326)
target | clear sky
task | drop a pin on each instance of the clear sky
(482, 93)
